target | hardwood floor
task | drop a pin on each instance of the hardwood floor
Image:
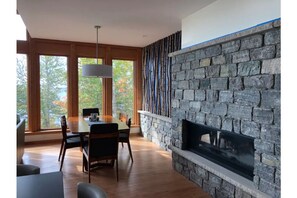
(151, 174)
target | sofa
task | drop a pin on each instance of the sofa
(20, 138)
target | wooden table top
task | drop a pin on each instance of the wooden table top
(79, 124)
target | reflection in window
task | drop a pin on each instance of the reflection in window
(123, 93)
(53, 90)
(21, 31)
(21, 72)
(89, 88)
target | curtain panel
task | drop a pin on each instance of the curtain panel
(157, 74)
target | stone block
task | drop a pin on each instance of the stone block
(215, 181)
(270, 133)
(191, 115)
(269, 188)
(212, 71)
(278, 51)
(213, 121)
(227, 124)
(186, 66)
(272, 37)
(247, 97)
(251, 42)
(270, 99)
(213, 50)
(235, 83)
(175, 68)
(178, 94)
(263, 116)
(195, 105)
(204, 83)
(200, 54)
(278, 177)
(226, 96)
(258, 82)
(199, 73)
(180, 75)
(264, 146)
(180, 58)
(228, 70)
(200, 118)
(184, 105)
(277, 81)
(231, 46)
(250, 129)
(205, 62)
(175, 103)
(239, 112)
(241, 194)
(188, 95)
(194, 84)
(271, 66)
(271, 160)
(219, 83)
(241, 56)
(196, 179)
(201, 172)
(200, 95)
(276, 116)
(266, 52)
(190, 56)
(264, 171)
(184, 84)
(206, 107)
(212, 95)
(219, 60)
(219, 109)
(249, 68)
(195, 64)
(174, 84)
(189, 74)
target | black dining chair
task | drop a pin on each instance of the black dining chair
(124, 135)
(69, 140)
(86, 190)
(27, 169)
(102, 145)
(88, 111)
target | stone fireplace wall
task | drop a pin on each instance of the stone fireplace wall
(232, 83)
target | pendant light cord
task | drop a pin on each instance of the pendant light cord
(97, 27)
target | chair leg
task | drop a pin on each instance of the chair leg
(130, 151)
(62, 145)
(122, 145)
(89, 171)
(117, 169)
(63, 155)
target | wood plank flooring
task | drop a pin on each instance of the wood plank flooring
(151, 174)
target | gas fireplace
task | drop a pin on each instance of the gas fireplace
(230, 150)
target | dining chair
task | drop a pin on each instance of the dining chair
(102, 145)
(88, 111)
(27, 169)
(69, 140)
(124, 135)
(86, 190)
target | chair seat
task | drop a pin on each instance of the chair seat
(123, 136)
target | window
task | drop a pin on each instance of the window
(90, 88)
(123, 93)
(21, 72)
(53, 90)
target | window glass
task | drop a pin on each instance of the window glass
(123, 93)
(21, 72)
(90, 88)
(53, 90)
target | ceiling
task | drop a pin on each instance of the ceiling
(135, 23)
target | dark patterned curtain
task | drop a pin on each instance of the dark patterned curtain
(157, 74)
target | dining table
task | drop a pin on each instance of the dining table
(81, 125)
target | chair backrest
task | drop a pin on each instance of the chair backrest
(88, 111)
(103, 140)
(87, 190)
(64, 126)
(128, 122)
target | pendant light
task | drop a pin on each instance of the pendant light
(97, 70)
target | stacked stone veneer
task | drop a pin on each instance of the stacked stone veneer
(232, 84)
(156, 128)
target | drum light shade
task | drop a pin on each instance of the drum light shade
(97, 70)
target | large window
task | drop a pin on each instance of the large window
(21, 72)
(123, 93)
(53, 90)
(90, 88)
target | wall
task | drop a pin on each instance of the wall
(232, 83)
(226, 16)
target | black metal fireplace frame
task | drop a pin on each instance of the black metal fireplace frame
(212, 153)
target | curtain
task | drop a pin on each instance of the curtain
(157, 74)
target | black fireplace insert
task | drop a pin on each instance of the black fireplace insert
(230, 150)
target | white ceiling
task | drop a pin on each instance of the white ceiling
(124, 22)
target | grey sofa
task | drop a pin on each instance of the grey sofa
(20, 139)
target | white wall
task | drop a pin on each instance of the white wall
(226, 16)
